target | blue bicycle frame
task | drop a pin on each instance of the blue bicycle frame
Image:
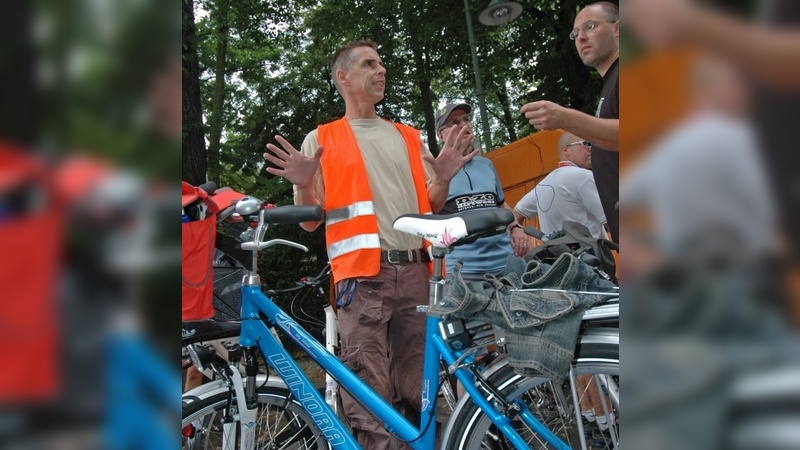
(133, 418)
(255, 332)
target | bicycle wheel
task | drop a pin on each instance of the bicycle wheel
(597, 361)
(281, 423)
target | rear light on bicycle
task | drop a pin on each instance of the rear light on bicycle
(188, 431)
(454, 332)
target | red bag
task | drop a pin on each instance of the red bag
(197, 255)
(31, 245)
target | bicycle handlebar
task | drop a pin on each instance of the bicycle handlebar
(538, 234)
(290, 214)
(270, 243)
(530, 231)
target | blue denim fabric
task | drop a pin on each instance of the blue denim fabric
(541, 327)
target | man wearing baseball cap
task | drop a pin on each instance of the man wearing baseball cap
(475, 186)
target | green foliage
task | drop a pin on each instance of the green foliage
(95, 65)
(277, 78)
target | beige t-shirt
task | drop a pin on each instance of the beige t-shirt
(386, 160)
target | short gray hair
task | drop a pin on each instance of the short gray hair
(343, 58)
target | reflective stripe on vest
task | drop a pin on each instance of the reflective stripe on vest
(348, 212)
(359, 242)
(351, 228)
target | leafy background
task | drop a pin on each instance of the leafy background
(263, 68)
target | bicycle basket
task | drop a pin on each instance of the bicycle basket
(227, 291)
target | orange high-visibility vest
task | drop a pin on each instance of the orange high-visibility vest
(351, 228)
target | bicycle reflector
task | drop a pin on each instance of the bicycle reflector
(188, 431)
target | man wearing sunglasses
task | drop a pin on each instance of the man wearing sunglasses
(567, 193)
(596, 35)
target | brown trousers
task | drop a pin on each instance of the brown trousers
(383, 339)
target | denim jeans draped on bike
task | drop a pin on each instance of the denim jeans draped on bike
(541, 326)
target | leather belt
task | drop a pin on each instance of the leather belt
(405, 256)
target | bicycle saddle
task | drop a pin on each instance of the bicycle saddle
(453, 229)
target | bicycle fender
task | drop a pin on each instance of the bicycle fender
(215, 387)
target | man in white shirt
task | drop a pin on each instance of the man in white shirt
(566, 193)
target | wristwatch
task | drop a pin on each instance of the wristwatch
(511, 228)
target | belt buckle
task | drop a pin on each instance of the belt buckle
(389, 256)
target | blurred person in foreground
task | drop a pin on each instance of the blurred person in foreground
(700, 265)
(741, 356)
(715, 325)
(706, 175)
(566, 193)
(365, 172)
(767, 51)
(596, 36)
(91, 251)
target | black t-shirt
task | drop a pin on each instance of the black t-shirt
(776, 112)
(605, 164)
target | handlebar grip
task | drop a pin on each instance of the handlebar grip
(611, 244)
(530, 231)
(293, 214)
(209, 187)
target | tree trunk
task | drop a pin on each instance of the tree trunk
(194, 146)
(215, 119)
(425, 93)
(508, 119)
(430, 119)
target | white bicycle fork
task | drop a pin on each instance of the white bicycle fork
(331, 341)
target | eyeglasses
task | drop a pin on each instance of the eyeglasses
(465, 119)
(586, 144)
(587, 26)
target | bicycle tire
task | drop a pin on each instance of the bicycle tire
(281, 422)
(470, 429)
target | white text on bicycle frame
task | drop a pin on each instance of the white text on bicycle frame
(310, 404)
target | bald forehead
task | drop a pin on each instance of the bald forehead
(565, 139)
(591, 12)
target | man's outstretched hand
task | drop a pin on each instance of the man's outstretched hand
(296, 167)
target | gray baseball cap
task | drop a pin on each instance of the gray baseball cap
(444, 113)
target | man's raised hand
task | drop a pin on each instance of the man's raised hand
(452, 158)
(296, 167)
